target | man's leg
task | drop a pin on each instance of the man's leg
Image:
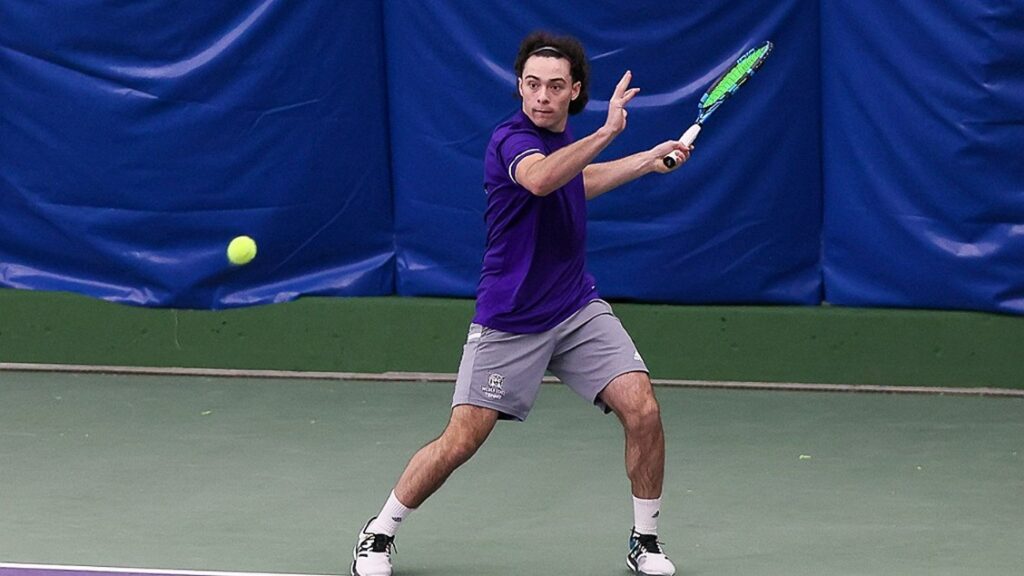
(466, 431)
(499, 376)
(631, 397)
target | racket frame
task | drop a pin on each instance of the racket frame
(703, 113)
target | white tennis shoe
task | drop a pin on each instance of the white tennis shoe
(646, 556)
(372, 553)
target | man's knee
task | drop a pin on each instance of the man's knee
(643, 411)
(632, 397)
(642, 414)
(466, 432)
(462, 449)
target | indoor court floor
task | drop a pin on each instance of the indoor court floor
(269, 475)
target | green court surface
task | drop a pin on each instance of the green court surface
(276, 475)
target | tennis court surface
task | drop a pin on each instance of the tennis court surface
(181, 475)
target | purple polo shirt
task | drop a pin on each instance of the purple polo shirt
(534, 270)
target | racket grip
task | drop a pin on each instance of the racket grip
(690, 135)
(687, 138)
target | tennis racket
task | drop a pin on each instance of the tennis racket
(719, 92)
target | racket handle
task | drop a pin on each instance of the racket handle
(690, 135)
(687, 138)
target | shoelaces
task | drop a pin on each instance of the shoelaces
(379, 543)
(647, 543)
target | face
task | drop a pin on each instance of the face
(547, 89)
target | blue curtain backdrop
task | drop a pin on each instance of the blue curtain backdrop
(138, 138)
(872, 162)
(923, 142)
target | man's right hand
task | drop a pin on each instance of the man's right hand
(659, 152)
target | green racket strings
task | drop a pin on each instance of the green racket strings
(735, 76)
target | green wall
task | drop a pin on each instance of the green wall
(763, 344)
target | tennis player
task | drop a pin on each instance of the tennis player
(537, 307)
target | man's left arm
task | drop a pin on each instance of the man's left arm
(604, 176)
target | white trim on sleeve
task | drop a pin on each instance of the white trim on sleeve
(515, 161)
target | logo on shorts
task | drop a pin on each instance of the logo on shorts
(636, 356)
(493, 389)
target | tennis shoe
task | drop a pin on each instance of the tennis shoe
(372, 554)
(646, 556)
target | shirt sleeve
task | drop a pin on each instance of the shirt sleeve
(516, 146)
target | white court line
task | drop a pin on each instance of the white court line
(114, 570)
(450, 377)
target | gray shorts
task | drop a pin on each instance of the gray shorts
(503, 371)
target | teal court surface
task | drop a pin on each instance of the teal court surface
(106, 475)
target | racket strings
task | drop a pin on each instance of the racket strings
(736, 75)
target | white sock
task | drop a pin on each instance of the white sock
(645, 515)
(390, 517)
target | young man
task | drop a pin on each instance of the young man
(537, 307)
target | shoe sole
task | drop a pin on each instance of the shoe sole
(634, 569)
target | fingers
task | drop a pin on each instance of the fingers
(628, 96)
(681, 155)
(623, 93)
(617, 105)
(669, 146)
(620, 88)
(679, 152)
(684, 151)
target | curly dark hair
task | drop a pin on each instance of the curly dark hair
(563, 47)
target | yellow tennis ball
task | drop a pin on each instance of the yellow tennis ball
(241, 250)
